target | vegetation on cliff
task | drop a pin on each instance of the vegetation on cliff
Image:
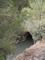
(12, 15)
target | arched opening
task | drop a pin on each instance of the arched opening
(29, 37)
(25, 41)
(25, 37)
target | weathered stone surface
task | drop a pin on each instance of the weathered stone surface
(35, 52)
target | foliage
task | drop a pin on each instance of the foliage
(10, 25)
(37, 11)
(12, 14)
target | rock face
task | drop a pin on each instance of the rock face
(35, 52)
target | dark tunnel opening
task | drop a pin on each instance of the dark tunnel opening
(29, 37)
(26, 41)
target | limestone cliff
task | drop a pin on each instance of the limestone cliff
(35, 52)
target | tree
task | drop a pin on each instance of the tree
(10, 25)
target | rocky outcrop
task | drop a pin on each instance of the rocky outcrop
(35, 52)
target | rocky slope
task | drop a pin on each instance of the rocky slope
(35, 52)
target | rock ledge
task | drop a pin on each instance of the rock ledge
(35, 52)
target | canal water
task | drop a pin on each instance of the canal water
(20, 47)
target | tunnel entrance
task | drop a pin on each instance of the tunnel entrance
(28, 36)
(21, 46)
